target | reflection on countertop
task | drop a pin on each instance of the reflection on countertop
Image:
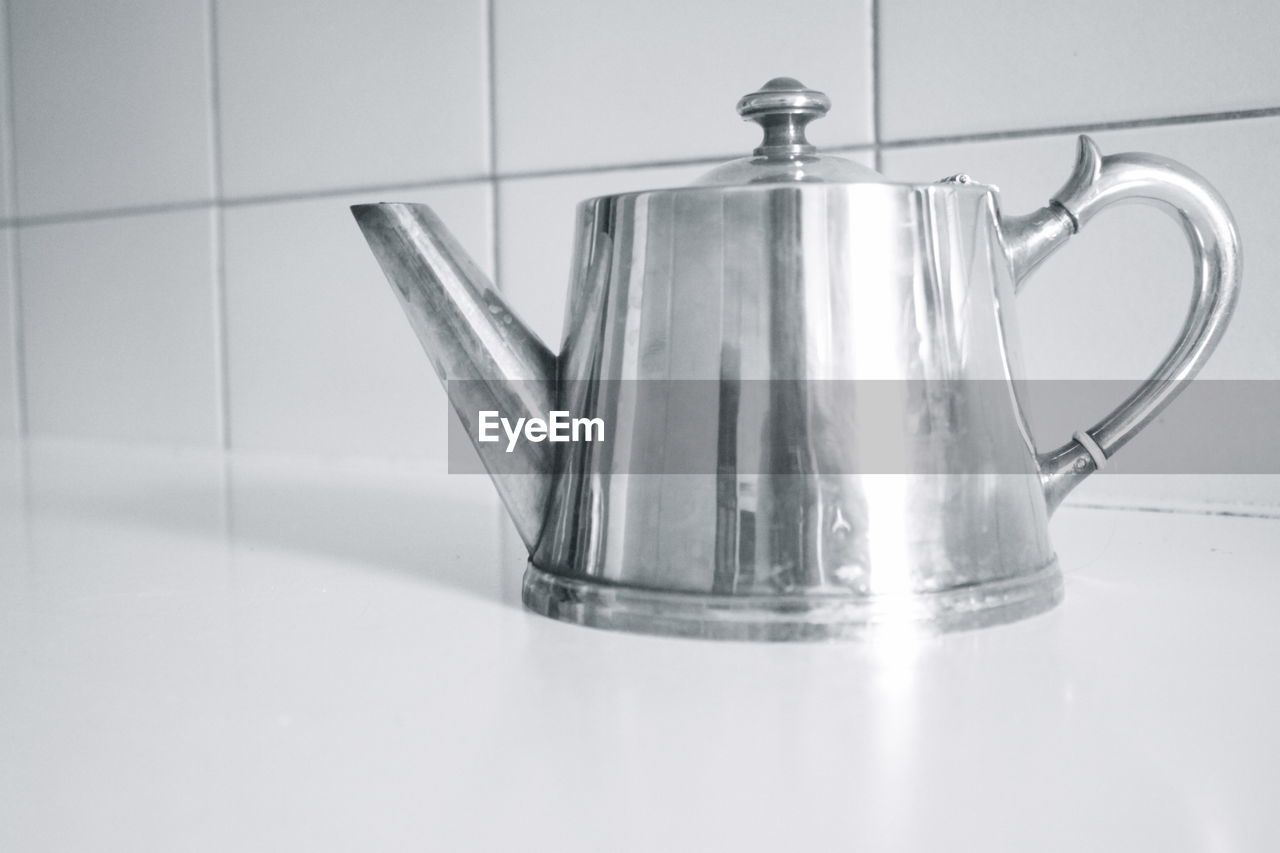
(201, 651)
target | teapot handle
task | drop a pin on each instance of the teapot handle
(1097, 182)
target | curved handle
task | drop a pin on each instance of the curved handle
(1215, 247)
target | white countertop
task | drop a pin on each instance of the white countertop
(199, 653)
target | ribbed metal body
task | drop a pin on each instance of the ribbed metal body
(810, 282)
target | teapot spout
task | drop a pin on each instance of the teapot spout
(485, 356)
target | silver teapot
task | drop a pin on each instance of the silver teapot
(804, 276)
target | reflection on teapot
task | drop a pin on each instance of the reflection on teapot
(793, 268)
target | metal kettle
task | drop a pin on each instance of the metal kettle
(789, 270)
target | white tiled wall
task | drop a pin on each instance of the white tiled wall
(118, 327)
(349, 93)
(320, 359)
(987, 65)
(607, 82)
(6, 136)
(187, 271)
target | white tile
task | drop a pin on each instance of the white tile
(348, 93)
(111, 103)
(1110, 303)
(987, 65)
(118, 328)
(321, 358)
(585, 82)
(8, 341)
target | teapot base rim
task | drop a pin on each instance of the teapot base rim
(788, 617)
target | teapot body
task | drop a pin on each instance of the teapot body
(804, 322)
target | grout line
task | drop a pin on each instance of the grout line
(1268, 513)
(491, 88)
(241, 201)
(714, 160)
(334, 192)
(1057, 130)
(218, 258)
(9, 119)
(14, 237)
(428, 183)
(218, 251)
(215, 102)
(359, 189)
(876, 88)
(497, 510)
(495, 217)
(491, 84)
(111, 213)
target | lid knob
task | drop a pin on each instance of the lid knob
(783, 107)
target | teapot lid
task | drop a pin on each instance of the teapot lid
(782, 107)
